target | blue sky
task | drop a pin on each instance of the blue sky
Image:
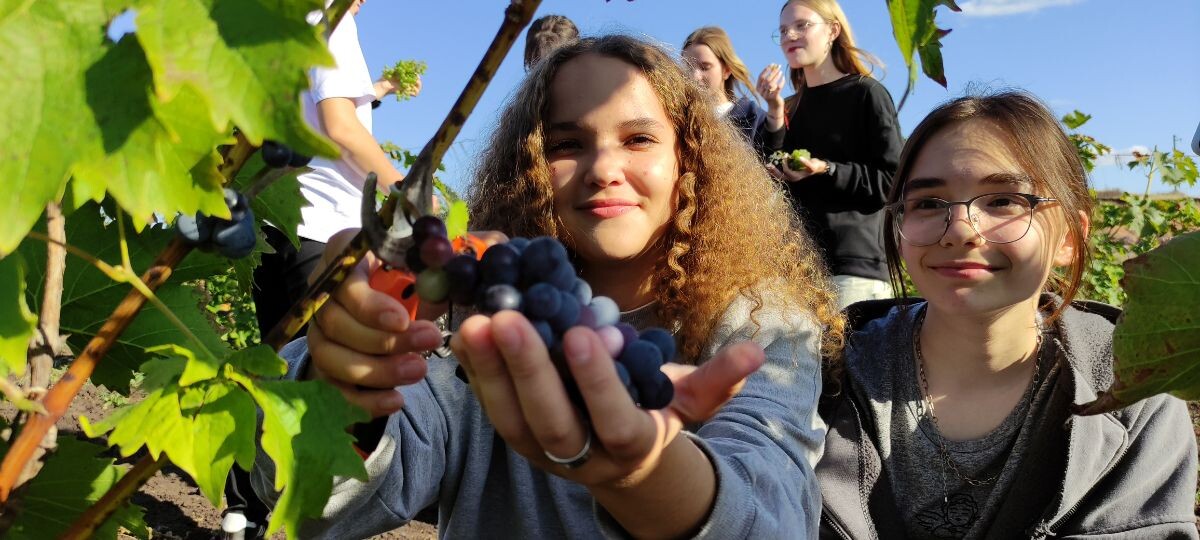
(1135, 70)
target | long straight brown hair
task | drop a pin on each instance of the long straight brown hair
(718, 41)
(1040, 147)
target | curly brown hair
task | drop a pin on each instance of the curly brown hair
(733, 232)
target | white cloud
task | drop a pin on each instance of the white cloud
(993, 8)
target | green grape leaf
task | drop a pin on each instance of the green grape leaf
(75, 476)
(304, 433)
(456, 219)
(248, 60)
(1156, 345)
(147, 153)
(260, 360)
(1075, 119)
(916, 32)
(16, 321)
(156, 422)
(89, 296)
(197, 368)
(161, 372)
(48, 49)
(223, 432)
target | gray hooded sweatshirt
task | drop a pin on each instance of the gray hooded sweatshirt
(1125, 474)
(441, 449)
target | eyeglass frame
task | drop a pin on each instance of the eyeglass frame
(777, 35)
(896, 210)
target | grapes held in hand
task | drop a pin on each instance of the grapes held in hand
(535, 276)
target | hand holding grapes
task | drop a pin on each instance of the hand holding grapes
(518, 385)
(363, 343)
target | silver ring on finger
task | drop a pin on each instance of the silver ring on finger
(576, 460)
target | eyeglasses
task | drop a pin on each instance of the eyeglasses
(999, 218)
(798, 29)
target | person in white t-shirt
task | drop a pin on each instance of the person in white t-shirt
(337, 105)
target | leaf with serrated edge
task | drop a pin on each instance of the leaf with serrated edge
(248, 60)
(304, 433)
(280, 203)
(16, 321)
(198, 367)
(75, 476)
(1156, 345)
(48, 47)
(223, 431)
(147, 151)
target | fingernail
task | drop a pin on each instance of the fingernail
(577, 348)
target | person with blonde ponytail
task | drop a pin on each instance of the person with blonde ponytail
(847, 122)
(709, 57)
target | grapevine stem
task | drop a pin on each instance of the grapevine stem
(86, 524)
(128, 266)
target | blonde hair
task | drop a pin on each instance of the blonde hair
(847, 57)
(733, 231)
(718, 42)
(1040, 148)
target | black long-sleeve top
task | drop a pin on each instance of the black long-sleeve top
(851, 123)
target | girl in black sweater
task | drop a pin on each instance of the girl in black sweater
(846, 120)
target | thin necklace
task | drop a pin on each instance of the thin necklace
(927, 398)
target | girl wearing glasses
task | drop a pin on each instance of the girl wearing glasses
(846, 120)
(949, 417)
(708, 55)
(674, 219)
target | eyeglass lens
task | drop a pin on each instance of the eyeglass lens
(999, 218)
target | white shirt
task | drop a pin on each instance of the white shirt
(333, 187)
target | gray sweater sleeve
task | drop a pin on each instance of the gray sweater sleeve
(764, 443)
(404, 471)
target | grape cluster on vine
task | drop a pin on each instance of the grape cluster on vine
(535, 277)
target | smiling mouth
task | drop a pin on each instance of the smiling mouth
(964, 271)
(605, 209)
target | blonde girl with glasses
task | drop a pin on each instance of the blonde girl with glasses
(846, 120)
(949, 417)
(709, 56)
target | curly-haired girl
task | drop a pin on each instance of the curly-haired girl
(610, 148)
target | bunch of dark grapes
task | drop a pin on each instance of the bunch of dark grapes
(536, 277)
(234, 238)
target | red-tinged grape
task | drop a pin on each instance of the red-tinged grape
(628, 333)
(427, 227)
(611, 337)
(433, 286)
(436, 251)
